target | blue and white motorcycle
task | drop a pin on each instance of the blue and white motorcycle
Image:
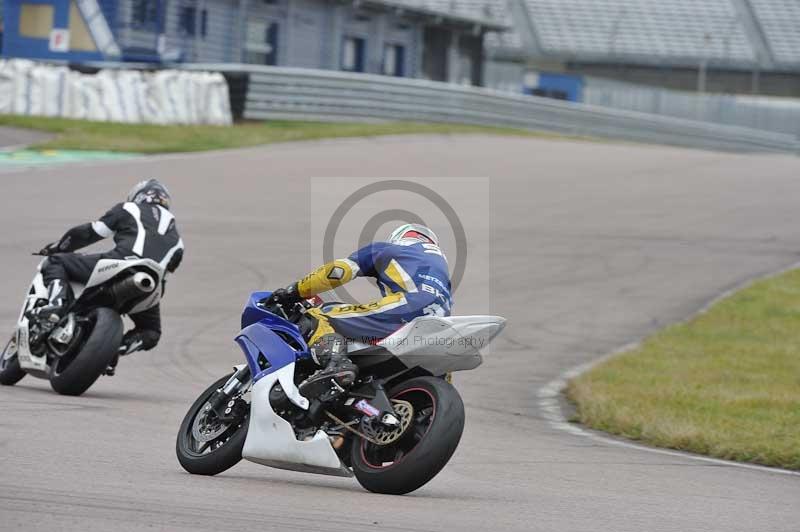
(395, 429)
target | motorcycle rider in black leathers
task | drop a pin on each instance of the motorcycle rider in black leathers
(143, 227)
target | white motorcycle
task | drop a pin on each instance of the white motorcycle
(73, 353)
(395, 429)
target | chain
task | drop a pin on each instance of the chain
(347, 426)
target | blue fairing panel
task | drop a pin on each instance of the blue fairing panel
(263, 338)
(252, 312)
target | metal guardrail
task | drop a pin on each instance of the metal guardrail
(296, 93)
(780, 115)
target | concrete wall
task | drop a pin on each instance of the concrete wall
(304, 27)
(216, 45)
(506, 76)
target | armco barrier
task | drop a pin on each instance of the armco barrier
(296, 93)
(781, 115)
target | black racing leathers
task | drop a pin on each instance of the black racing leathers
(142, 230)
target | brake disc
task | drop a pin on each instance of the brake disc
(205, 429)
(380, 434)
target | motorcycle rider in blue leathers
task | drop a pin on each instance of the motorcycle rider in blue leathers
(412, 275)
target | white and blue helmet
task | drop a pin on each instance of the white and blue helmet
(416, 232)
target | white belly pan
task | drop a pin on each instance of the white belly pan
(272, 442)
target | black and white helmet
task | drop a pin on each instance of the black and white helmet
(150, 191)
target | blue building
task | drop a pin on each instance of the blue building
(377, 36)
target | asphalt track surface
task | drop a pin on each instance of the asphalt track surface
(12, 137)
(594, 246)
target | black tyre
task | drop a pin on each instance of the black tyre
(10, 372)
(425, 446)
(73, 374)
(207, 446)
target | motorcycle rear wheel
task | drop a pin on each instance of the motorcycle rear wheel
(74, 375)
(215, 455)
(413, 460)
(10, 371)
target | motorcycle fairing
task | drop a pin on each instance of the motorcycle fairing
(253, 312)
(262, 337)
(26, 359)
(107, 269)
(259, 339)
(271, 440)
(441, 345)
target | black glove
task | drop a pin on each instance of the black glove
(285, 296)
(50, 249)
(138, 340)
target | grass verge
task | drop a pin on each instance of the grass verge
(725, 384)
(147, 138)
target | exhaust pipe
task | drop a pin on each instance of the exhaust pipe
(144, 282)
(136, 285)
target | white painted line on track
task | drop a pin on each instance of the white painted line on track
(550, 395)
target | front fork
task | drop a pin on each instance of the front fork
(222, 402)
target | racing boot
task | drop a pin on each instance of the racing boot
(338, 372)
(111, 369)
(134, 340)
(59, 295)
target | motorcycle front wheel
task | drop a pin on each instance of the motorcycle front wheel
(424, 448)
(205, 444)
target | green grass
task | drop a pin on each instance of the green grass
(145, 138)
(725, 384)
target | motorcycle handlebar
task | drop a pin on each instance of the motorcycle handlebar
(290, 312)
